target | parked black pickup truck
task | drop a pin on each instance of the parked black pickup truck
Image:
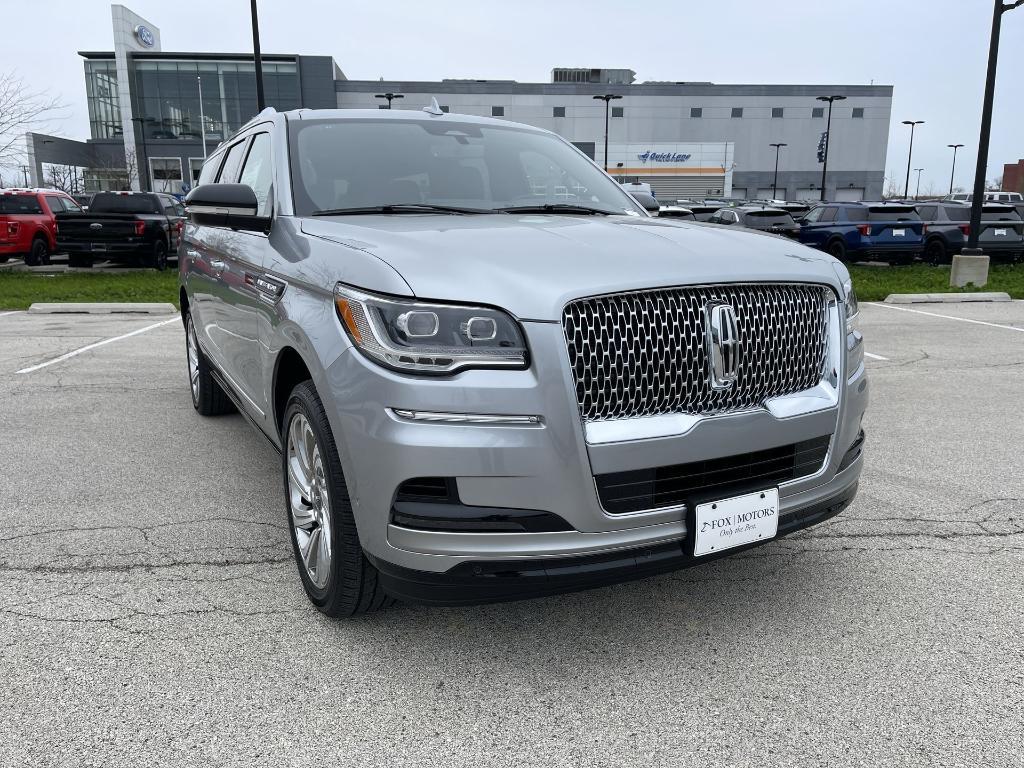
(132, 227)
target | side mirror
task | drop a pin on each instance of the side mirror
(226, 205)
(647, 201)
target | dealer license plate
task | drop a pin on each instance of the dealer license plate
(1001, 232)
(899, 233)
(737, 521)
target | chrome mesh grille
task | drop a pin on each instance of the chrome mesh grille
(645, 353)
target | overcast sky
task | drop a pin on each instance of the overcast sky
(933, 51)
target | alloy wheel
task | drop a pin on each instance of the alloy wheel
(309, 501)
(193, 360)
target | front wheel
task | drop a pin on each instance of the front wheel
(158, 256)
(935, 252)
(207, 396)
(335, 573)
(40, 253)
(837, 249)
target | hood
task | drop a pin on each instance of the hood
(532, 265)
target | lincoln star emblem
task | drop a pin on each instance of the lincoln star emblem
(723, 343)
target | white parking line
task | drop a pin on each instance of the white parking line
(86, 348)
(875, 357)
(947, 317)
(12, 312)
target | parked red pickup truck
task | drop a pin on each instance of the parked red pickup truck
(28, 225)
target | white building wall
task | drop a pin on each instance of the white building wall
(125, 24)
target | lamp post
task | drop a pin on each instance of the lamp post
(390, 97)
(828, 138)
(140, 121)
(986, 120)
(917, 193)
(607, 98)
(913, 124)
(257, 58)
(952, 171)
(202, 120)
(775, 178)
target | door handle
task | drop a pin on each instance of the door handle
(217, 265)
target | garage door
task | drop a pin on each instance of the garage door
(765, 193)
(808, 194)
(740, 193)
(680, 187)
(850, 194)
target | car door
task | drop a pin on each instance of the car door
(810, 226)
(249, 291)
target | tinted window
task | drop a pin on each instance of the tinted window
(55, 203)
(999, 214)
(105, 202)
(356, 163)
(777, 111)
(958, 212)
(497, 111)
(817, 111)
(813, 215)
(828, 214)
(892, 213)
(15, 204)
(257, 172)
(927, 212)
(769, 219)
(231, 163)
(696, 112)
(617, 112)
(737, 111)
(858, 111)
(70, 204)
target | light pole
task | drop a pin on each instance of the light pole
(389, 96)
(24, 169)
(607, 98)
(986, 120)
(917, 193)
(828, 138)
(952, 171)
(913, 124)
(257, 58)
(202, 120)
(775, 178)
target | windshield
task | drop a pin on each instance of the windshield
(343, 164)
(110, 203)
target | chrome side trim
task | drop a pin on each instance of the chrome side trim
(435, 417)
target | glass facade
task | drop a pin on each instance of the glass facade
(168, 96)
(101, 95)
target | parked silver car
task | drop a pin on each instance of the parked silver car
(491, 375)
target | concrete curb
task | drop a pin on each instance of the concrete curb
(102, 309)
(943, 298)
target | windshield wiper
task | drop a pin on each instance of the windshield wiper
(557, 208)
(399, 208)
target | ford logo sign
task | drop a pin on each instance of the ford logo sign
(145, 36)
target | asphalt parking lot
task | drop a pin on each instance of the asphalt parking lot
(150, 612)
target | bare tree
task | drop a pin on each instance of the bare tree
(994, 185)
(117, 175)
(67, 178)
(892, 188)
(21, 110)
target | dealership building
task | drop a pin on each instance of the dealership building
(155, 115)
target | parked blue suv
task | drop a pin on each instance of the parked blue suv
(857, 231)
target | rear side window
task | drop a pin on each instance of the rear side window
(958, 213)
(928, 212)
(55, 203)
(892, 213)
(828, 214)
(110, 203)
(231, 163)
(12, 205)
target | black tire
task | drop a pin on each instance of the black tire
(78, 261)
(40, 253)
(3, 259)
(158, 256)
(837, 249)
(352, 585)
(207, 396)
(935, 252)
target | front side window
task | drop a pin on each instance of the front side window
(55, 203)
(257, 172)
(344, 164)
(208, 173)
(229, 171)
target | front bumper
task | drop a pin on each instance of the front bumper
(488, 581)
(547, 466)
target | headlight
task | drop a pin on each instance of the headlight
(852, 307)
(854, 338)
(419, 337)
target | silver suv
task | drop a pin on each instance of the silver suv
(491, 375)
